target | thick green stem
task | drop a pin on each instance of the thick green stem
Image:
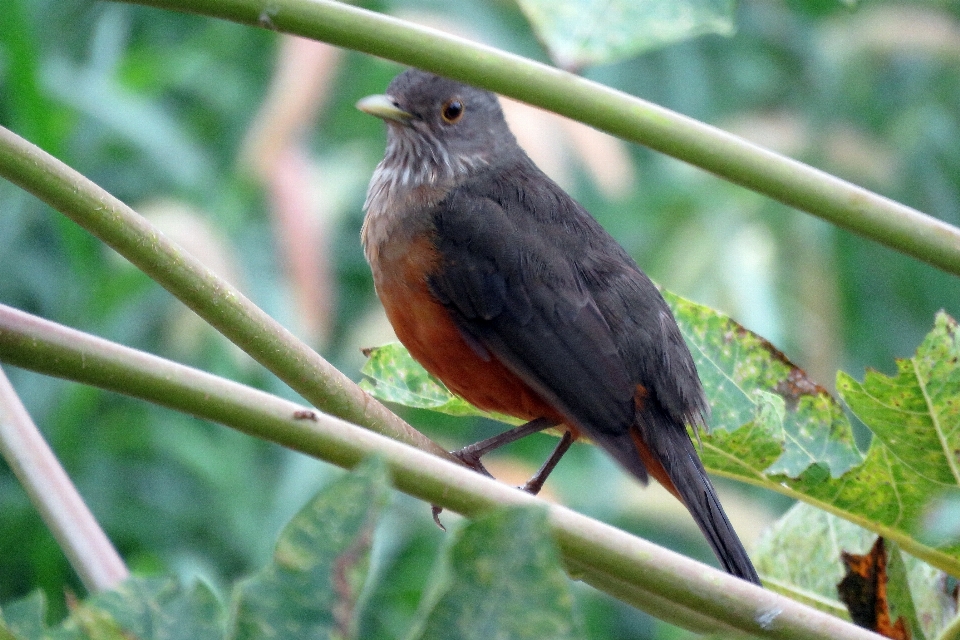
(732, 158)
(214, 300)
(672, 586)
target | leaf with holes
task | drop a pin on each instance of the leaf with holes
(916, 413)
(790, 421)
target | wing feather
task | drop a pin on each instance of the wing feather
(527, 304)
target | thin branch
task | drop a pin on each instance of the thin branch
(676, 588)
(788, 181)
(211, 297)
(83, 541)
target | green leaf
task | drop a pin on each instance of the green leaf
(791, 421)
(309, 590)
(90, 621)
(144, 608)
(25, 617)
(504, 580)
(578, 33)
(160, 608)
(881, 494)
(319, 565)
(799, 556)
(774, 427)
(396, 377)
(817, 461)
(917, 412)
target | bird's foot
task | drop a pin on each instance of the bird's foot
(471, 454)
(535, 484)
(469, 457)
(437, 510)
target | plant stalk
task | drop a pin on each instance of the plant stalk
(212, 298)
(85, 544)
(647, 576)
(732, 158)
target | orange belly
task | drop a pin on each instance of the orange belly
(425, 328)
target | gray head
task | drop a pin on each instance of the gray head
(438, 129)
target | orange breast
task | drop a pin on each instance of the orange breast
(425, 328)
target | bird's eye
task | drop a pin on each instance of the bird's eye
(452, 111)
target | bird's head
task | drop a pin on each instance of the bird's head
(439, 129)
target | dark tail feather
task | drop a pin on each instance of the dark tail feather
(701, 499)
(669, 444)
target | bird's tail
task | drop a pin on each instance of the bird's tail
(670, 457)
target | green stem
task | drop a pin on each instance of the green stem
(85, 544)
(211, 297)
(649, 577)
(788, 181)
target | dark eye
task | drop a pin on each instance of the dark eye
(452, 111)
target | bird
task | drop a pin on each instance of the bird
(507, 290)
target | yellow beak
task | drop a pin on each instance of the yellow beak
(384, 108)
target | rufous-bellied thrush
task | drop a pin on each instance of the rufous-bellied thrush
(506, 289)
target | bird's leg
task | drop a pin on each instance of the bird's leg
(471, 454)
(535, 483)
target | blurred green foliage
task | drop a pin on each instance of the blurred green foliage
(154, 105)
(318, 584)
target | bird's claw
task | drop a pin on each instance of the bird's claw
(471, 460)
(437, 510)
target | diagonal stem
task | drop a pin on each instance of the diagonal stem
(211, 297)
(788, 181)
(677, 589)
(87, 547)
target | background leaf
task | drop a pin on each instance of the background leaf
(916, 413)
(319, 566)
(25, 617)
(800, 557)
(161, 609)
(501, 577)
(503, 580)
(579, 33)
(146, 608)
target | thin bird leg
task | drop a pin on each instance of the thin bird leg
(471, 454)
(535, 483)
